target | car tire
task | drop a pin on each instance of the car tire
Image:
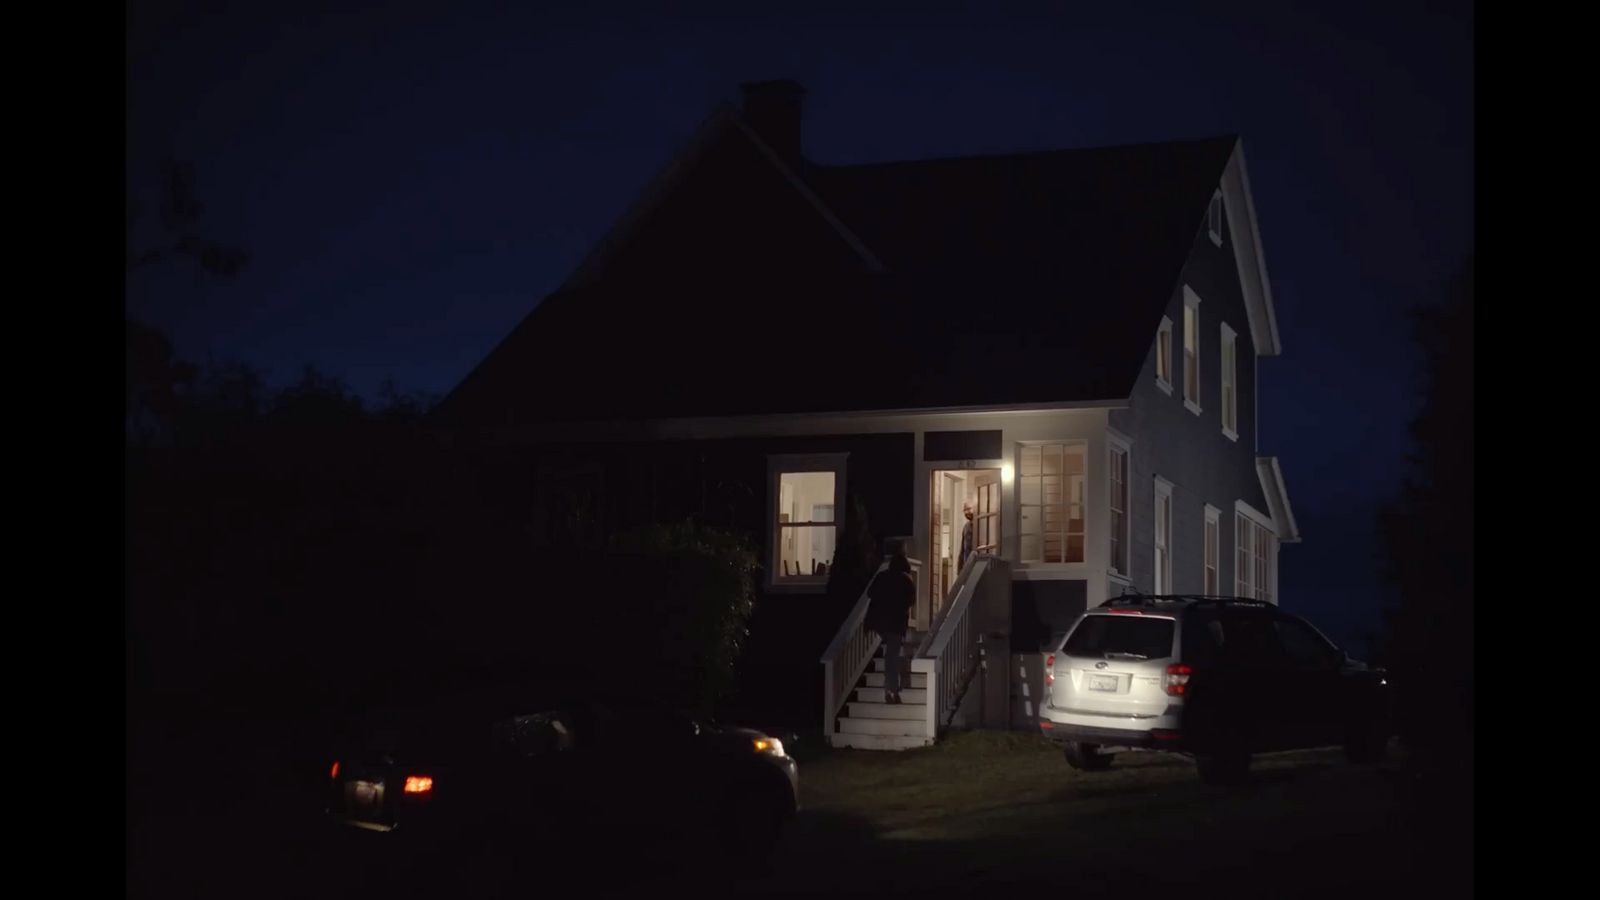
(1087, 757)
(1226, 768)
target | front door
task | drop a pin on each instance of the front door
(954, 493)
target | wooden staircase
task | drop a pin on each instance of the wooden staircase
(866, 722)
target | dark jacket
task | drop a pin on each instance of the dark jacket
(890, 597)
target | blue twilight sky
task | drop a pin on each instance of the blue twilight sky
(410, 182)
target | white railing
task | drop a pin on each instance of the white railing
(950, 653)
(847, 656)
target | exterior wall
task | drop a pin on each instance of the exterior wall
(1190, 450)
(724, 481)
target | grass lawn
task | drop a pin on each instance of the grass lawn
(986, 808)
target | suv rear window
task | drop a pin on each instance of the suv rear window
(1098, 635)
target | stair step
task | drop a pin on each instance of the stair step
(878, 665)
(879, 741)
(908, 649)
(915, 680)
(918, 711)
(876, 695)
(902, 727)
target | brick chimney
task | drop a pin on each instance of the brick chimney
(772, 110)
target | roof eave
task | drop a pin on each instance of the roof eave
(1244, 231)
(1277, 492)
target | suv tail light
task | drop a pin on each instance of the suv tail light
(1177, 681)
(1050, 669)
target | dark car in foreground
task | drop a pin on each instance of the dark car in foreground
(546, 780)
(1215, 678)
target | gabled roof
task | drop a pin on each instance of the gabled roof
(723, 120)
(1277, 492)
(1025, 279)
(1095, 217)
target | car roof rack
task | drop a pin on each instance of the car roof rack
(1193, 599)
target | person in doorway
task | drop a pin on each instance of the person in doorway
(966, 536)
(889, 600)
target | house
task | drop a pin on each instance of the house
(1066, 343)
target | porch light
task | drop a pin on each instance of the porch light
(1005, 473)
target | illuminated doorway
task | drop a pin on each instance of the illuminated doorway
(955, 493)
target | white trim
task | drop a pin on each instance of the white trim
(1213, 518)
(1160, 584)
(1244, 577)
(1068, 445)
(1191, 300)
(779, 464)
(1164, 384)
(1278, 499)
(1250, 512)
(1117, 443)
(1229, 371)
(1214, 229)
(1244, 231)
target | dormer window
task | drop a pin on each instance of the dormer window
(1214, 218)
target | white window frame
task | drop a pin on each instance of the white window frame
(1211, 570)
(1255, 532)
(1214, 218)
(1229, 361)
(778, 465)
(1115, 445)
(1164, 356)
(1161, 549)
(1191, 301)
(1066, 505)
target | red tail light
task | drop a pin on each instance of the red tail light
(1178, 679)
(1050, 669)
(418, 784)
(335, 772)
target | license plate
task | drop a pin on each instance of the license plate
(365, 796)
(1102, 682)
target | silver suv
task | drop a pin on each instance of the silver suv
(1215, 678)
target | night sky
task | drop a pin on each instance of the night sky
(410, 183)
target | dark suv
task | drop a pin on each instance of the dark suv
(1215, 678)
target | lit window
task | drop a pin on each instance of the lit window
(1191, 350)
(1164, 355)
(1214, 219)
(1163, 560)
(1230, 387)
(1119, 510)
(1050, 487)
(806, 503)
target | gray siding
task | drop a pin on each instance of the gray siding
(1190, 450)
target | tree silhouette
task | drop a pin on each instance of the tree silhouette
(1427, 540)
(179, 213)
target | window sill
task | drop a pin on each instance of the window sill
(1230, 434)
(1192, 406)
(1165, 386)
